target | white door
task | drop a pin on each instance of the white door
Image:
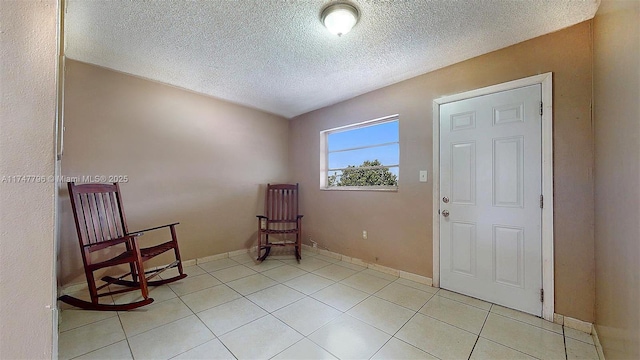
(490, 205)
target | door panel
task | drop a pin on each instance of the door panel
(463, 166)
(490, 169)
(463, 245)
(507, 172)
(508, 255)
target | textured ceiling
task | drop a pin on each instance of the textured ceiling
(276, 56)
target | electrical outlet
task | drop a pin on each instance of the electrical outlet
(423, 175)
(364, 234)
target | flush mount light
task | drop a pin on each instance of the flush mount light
(339, 18)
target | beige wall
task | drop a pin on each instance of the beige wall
(617, 185)
(188, 158)
(399, 224)
(27, 123)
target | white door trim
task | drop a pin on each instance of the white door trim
(547, 178)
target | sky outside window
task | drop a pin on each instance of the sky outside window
(378, 134)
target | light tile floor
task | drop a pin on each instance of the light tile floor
(321, 308)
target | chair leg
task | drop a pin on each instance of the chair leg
(91, 284)
(298, 257)
(176, 250)
(259, 248)
(142, 279)
(298, 248)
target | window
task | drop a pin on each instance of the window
(364, 156)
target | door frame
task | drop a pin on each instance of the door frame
(546, 81)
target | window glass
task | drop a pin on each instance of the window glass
(362, 156)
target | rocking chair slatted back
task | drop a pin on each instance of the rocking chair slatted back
(281, 204)
(99, 214)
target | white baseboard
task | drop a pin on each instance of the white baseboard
(558, 319)
(579, 325)
(189, 262)
(211, 258)
(238, 252)
(387, 270)
(384, 269)
(572, 323)
(417, 278)
(329, 254)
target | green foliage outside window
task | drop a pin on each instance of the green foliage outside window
(369, 173)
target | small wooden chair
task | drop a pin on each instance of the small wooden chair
(106, 242)
(281, 218)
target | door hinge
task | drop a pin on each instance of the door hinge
(541, 201)
(541, 295)
(541, 107)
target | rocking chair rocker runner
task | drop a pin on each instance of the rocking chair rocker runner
(281, 219)
(102, 232)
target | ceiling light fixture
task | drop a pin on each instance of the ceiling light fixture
(339, 18)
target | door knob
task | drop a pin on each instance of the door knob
(445, 213)
(445, 200)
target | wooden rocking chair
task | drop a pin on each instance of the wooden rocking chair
(106, 242)
(281, 218)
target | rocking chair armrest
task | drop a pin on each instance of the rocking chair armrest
(140, 232)
(107, 243)
(300, 216)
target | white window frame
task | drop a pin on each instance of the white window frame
(324, 154)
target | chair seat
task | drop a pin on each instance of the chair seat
(127, 256)
(122, 258)
(156, 250)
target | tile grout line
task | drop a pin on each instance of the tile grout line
(414, 315)
(102, 347)
(280, 320)
(573, 338)
(462, 302)
(474, 347)
(452, 325)
(126, 338)
(405, 323)
(287, 325)
(341, 312)
(508, 347)
(312, 298)
(512, 348)
(480, 332)
(526, 323)
(402, 306)
(564, 341)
